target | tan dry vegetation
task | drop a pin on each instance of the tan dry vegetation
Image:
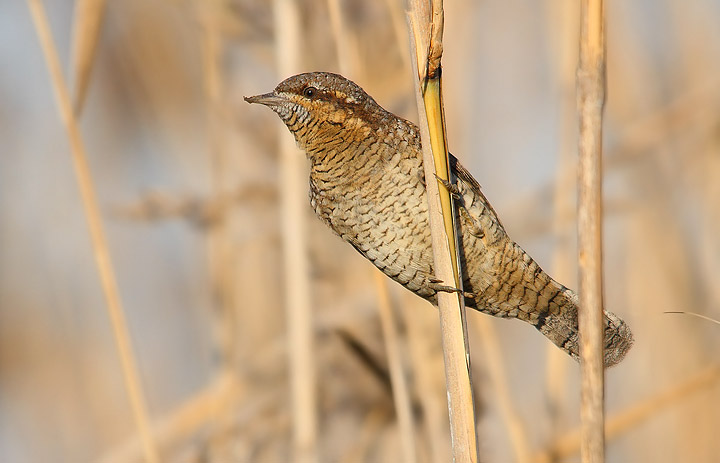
(186, 176)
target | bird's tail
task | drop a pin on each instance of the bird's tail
(562, 329)
(510, 284)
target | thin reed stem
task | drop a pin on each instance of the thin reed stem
(427, 47)
(97, 234)
(86, 34)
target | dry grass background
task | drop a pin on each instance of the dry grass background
(187, 179)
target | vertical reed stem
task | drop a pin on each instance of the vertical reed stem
(100, 246)
(426, 28)
(86, 34)
(591, 100)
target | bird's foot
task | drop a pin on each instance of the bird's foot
(438, 286)
(450, 187)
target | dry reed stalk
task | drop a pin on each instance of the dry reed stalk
(426, 29)
(569, 444)
(591, 100)
(185, 421)
(294, 240)
(86, 32)
(699, 315)
(498, 380)
(398, 382)
(97, 234)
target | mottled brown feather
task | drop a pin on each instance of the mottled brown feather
(367, 185)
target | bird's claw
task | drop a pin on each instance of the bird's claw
(437, 285)
(450, 187)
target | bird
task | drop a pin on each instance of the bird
(368, 185)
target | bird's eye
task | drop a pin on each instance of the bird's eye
(309, 92)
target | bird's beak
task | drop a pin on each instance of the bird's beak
(268, 99)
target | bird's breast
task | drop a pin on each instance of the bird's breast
(376, 202)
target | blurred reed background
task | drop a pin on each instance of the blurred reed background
(187, 177)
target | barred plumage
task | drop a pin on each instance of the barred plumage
(367, 185)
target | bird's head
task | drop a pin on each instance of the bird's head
(317, 106)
